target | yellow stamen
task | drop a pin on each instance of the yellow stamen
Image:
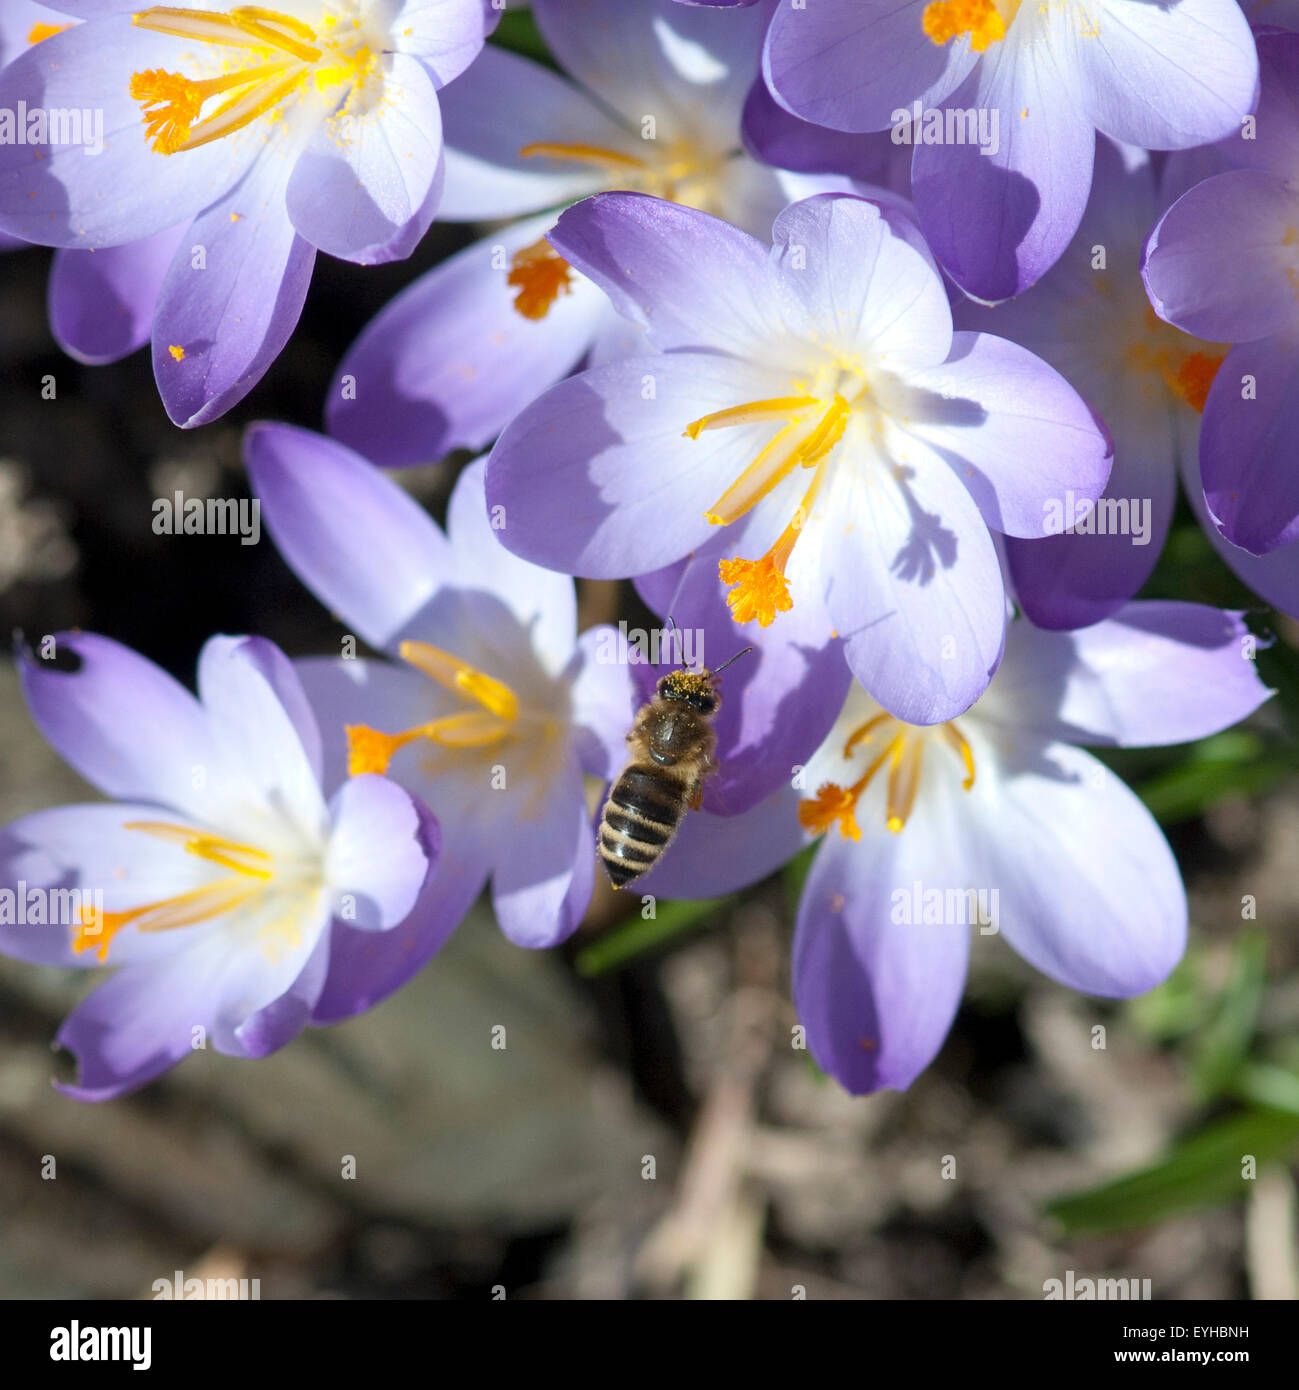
(540, 275)
(460, 678)
(581, 154)
(779, 408)
(245, 26)
(957, 739)
(948, 19)
(40, 32)
(904, 781)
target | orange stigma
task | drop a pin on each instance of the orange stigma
(540, 275)
(903, 750)
(945, 20)
(758, 587)
(1185, 365)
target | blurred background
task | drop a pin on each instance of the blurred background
(649, 1131)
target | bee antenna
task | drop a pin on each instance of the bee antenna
(736, 657)
(675, 642)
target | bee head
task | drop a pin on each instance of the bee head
(692, 688)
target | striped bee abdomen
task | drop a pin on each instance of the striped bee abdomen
(640, 818)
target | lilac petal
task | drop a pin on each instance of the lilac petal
(655, 56)
(1274, 137)
(366, 967)
(63, 196)
(102, 302)
(1156, 673)
(991, 405)
(445, 35)
(450, 360)
(1228, 299)
(360, 543)
(1088, 889)
(817, 62)
(265, 737)
(915, 590)
(273, 1027)
(383, 846)
(858, 283)
(125, 725)
(1274, 576)
(779, 703)
(493, 112)
(999, 221)
(368, 200)
(603, 702)
(89, 848)
(1247, 444)
(778, 137)
(712, 854)
(1197, 55)
(542, 885)
(878, 996)
(221, 324)
(597, 478)
(724, 296)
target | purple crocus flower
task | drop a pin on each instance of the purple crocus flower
(812, 403)
(1247, 298)
(1090, 318)
(236, 143)
(999, 819)
(999, 201)
(650, 99)
(494, 709)
(23, 23)
(217, 875)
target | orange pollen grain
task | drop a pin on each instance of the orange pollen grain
(40, 32)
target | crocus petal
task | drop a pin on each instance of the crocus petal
(1227, 299)
(991, 406)
(488, 117)
(125, 725)
(878, 996)
(915, 590)
(102, 302)
(276, 1025)
(998, 221)
(446, 35)
(360, 543)
(542, 885)
(221, 322)
(62, 196)
(571, 469)
(778, 137)
(603, 701)
(820, 62)
(1247, 444)
(1156, 673)
(655, 57)
(722, 296)
(366, 197)
(1273, 141)
(1163, 78)
(366, 967)
(858, 283)
(1088, 889)
(449, 361)
(265, 737)
(722, 854)
(383, 846)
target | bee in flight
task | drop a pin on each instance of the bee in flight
(672, 742)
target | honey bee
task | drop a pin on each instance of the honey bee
(673, 742)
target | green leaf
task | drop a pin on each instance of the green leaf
(1237, 762)
(1222, 1046)
(518, 32)
(635, 937)
(1266, 1084)
(1175, 1008)
(794, 877)
(1202, 1170)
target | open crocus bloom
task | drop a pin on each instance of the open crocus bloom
(812, 425)
(997, 820)
(493, 708)
(218, 876)
(253, 136)
(1000, 208)
(1248, 298)
(1090, 318)
(649, 98)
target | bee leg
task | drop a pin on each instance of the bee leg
(697, 795)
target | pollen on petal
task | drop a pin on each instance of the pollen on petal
(758, 590)
(540, 275)
(178, 353)
(832, 803)
(948, 19)
(40, 32)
